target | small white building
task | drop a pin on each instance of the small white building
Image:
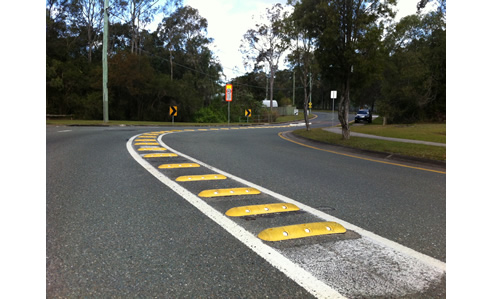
(266, 103)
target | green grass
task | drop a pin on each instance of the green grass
(424, 132)
(407, 149)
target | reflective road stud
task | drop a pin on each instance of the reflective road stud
(228, 192)
(165, 155)
(301, 231)
(204, 177)
(178, 165)
(261, 209)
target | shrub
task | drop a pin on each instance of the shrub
(209, 115)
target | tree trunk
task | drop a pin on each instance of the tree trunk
(171, 61)
(272, 78)
(306, 118)
(343, 110)
(89, 42)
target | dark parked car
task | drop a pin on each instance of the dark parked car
(363, 115)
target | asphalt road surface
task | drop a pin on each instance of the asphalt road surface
(119, 226)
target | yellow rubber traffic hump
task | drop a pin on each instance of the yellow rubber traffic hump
(152, 149)
(163, 155)
(205, 177)
(228, 192)
(261, 209)
(146, 143)
(178, 165)
(301, 231)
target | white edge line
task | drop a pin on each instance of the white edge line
(302, 277)
(430, 261)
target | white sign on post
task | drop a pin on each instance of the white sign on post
(333, 97)
(333, 94)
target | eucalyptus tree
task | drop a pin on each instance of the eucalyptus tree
(184, 31)
(87, 16)
(139, 13)
(340, 27)
(266, 43)
(414, 86)
(302, 46)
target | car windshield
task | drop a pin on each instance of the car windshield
(362, 112)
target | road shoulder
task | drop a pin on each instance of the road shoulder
(367, 154)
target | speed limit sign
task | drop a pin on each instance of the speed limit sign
(228, 93)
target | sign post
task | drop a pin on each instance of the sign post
(333, 97)
(173, 111)
(247, 113)
(228, 98)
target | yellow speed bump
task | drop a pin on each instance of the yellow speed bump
(152, 149)
(164, 155)
(228, 192)
(205, 177)
(146, 143)
(301, 231)
(144, 140)
(178, 165)
(261, 209)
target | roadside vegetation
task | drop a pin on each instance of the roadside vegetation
(397, 67)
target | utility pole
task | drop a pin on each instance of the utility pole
(310, 89)
(105, 62)
(266, 88)
(294, 89)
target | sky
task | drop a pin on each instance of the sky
(228, 21)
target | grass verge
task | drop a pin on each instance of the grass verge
(424, 132)
(407, 149)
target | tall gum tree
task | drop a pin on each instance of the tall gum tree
(266, 43)
(301, 55)
(339, 27)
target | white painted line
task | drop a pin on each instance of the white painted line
(298, 124)
(275, 258)
(63, 131)
(427, 260)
